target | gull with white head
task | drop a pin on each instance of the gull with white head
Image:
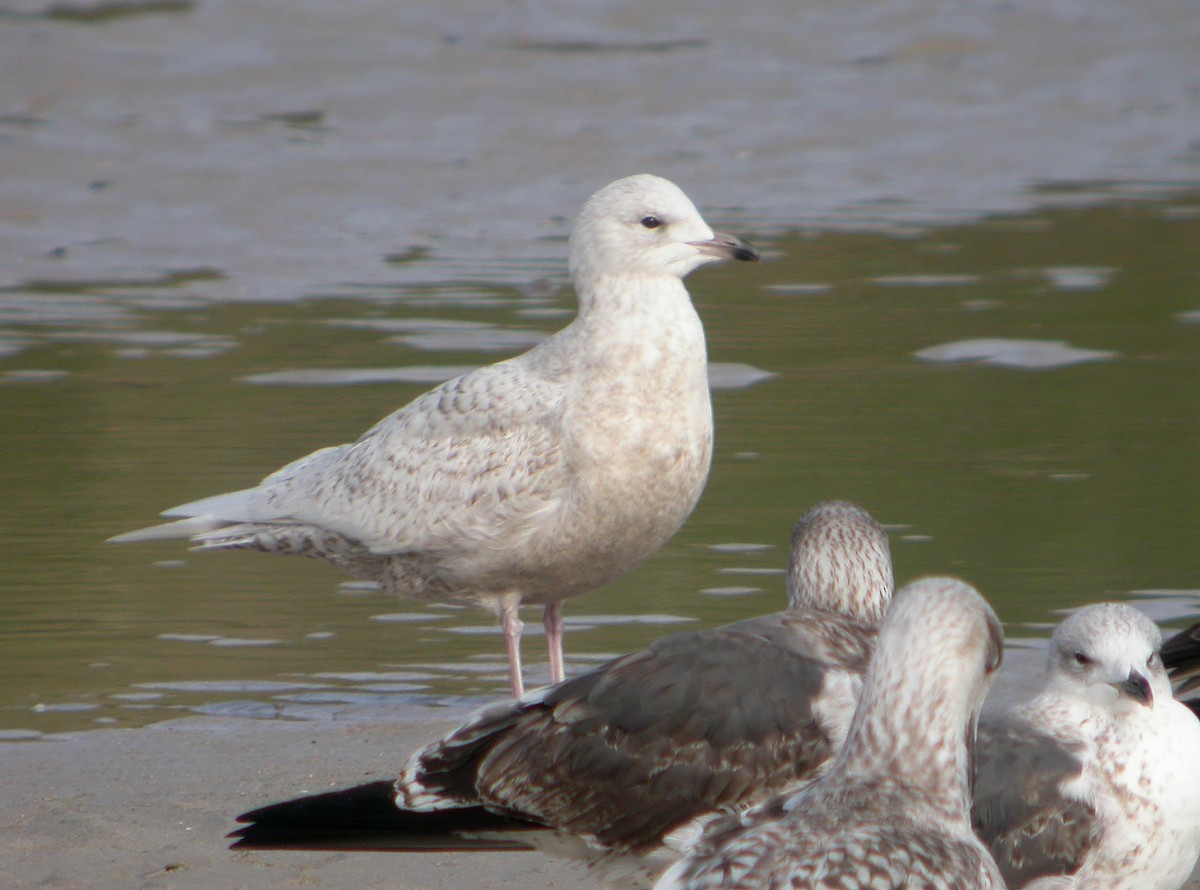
(892, 811)
(621, 767)
(1091, 782)
(532, 480)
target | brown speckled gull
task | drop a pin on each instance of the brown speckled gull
(622, 766)
(534, 479)
(892, 811)
(1094, 776)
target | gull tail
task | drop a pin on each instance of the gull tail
(366, 817)
(199, 517)
(183, 528)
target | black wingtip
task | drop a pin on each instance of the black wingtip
(305, 820)
(366, 817)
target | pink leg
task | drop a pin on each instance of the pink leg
(510, 623)
(553, 621)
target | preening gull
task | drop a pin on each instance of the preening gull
(893, 809)
(1096, 775)
(622, 765)
(534, 479)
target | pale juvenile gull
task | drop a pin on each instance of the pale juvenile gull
(893, 809)
(534, 479)
(624, 764)
(1091, 783)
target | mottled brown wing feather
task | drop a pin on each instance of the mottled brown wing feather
(1020, 811)
(696, 722)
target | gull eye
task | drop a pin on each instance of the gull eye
(1080, 658)
(651, 222)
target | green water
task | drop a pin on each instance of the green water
(1045, 488)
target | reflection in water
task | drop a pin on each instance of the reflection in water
(1032, 355)
(1046, 488)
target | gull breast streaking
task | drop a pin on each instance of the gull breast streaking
(892, 811)
(1091, 782)
(621, 767)
(534, 479)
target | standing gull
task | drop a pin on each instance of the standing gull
(621, 766)
(893, 809)
(1096, 775)
(534, 479)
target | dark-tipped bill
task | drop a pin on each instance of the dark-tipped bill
(1137, 687)
(727, 247)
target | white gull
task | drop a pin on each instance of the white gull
(621, 767)
(893, 809)
(534, 479)
(1091, 782)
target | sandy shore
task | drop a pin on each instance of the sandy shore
(150, 808)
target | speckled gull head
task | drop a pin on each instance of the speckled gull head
(1109, 654)
(644, 225)
(940, 646)
(841, 563)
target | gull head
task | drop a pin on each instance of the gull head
(644, 225)
(939, 649)
(840, 563)
(1109, 653)
(941, 627)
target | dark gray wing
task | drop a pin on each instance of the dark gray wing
(1031, 826)
(696, 722)
(1181, 658)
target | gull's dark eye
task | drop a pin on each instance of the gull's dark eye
(1080, 658)
(651, 222)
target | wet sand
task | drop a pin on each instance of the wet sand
(282, 148)
(150, 808)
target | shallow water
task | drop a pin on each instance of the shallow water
(1048, 486)
(234, 233)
